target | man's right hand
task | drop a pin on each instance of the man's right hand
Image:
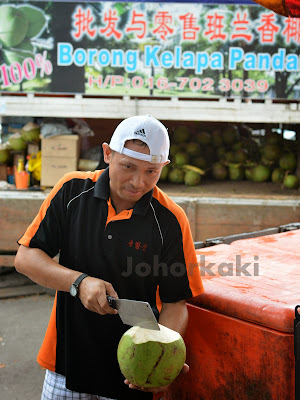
(45, 271)
(93, 292)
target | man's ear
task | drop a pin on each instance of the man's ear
(107, 153)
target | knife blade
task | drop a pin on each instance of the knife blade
(133, 312)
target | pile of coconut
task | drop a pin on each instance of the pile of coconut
(18, 141)
(229, 152)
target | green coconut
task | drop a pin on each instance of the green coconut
(31, 132)
(13, 25)
(277, 175)
(229, 157)
(181, 159)
(164, 173)
(193, 149)
(175, 148)
(288, 161)
(192, 178)
(221, 153)
(237, 146)
(176, 175)
(230, 134)
(204, 138)
(181, 134)
(200, 162)
(249, 173)
(240, 156)
(150, 358)
(4, 153)
(271, 152)
(36, 19)
(217, 138)
(236, 172)
(261, 173)
(219, 171)
(291, 182)
(18, 54)
(16, 142)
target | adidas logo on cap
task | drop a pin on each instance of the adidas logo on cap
(140, 132)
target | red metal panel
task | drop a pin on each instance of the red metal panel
(287, 242)
(269, 295)
(240, 343)
(232, 359)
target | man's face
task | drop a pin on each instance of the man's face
(130, 178)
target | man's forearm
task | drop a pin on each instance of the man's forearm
(42, 269)
(174, 316)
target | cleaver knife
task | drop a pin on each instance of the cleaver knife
(134, 312)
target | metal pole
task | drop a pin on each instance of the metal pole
(0, 129)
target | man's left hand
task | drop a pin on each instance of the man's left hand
(184, 370)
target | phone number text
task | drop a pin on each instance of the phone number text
(182, 83)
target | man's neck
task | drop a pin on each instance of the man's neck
(120, 205)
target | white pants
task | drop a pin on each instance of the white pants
(55, 389)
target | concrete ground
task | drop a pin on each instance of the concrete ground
(23, 322)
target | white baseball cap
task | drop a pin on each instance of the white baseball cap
(147, 129)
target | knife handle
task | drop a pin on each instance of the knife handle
(111, 302)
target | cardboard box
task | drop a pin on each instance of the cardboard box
(54, 168)
(66, 146)
(60, 155)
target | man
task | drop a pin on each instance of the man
(106, 226)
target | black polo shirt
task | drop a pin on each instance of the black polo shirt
(139, 251)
